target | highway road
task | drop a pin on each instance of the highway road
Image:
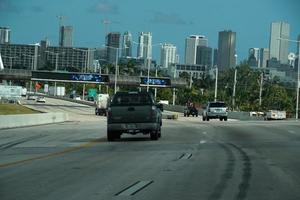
(77, 112)
(193, 160)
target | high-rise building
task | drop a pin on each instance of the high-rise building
(264, 57)
(226, 50)
(298, 44)
(191, 44)
(168, 55)
(254, 57)
(113, 45)
(279, 46)
(204, 56)
(145, 45)
(44, 57)
(127, 45)
(5, 35)
(66, 36)
(20, 56)
(215, 59)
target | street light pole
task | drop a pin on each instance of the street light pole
(298, 84)
(234, 86)
(155, 89)
(216, 84)
(116, 70)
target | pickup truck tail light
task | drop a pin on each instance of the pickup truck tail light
(153, 112)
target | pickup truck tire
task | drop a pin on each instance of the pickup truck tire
(207, 118)
(154, 135)
(225, 119)
(110, 136)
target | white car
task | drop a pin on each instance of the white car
(41, 100)
(77, 98)
(215, 110)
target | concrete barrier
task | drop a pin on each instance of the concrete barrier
(14, 121)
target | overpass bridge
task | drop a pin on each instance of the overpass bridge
(103, 79)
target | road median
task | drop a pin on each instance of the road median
(22, 120)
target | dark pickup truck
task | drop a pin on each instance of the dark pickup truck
(132, 113)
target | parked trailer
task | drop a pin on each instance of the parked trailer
(275, 115)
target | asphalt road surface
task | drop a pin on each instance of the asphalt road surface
(193, 160)
(76, 112)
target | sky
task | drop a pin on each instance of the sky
(169, 21)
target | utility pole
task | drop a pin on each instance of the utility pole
(155, 89)
(174, 90)
(261, 87)
(234, 86)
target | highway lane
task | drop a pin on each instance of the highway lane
(77, 112)
(193, 160)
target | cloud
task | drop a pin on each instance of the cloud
(169, 18)
(105, 7)
(7, 6)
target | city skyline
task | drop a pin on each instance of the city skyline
(252, 25)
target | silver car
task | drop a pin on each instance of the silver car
(215, 110)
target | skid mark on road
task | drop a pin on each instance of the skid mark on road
(60, 153)
(227, 174)
(247, 173)
(20, 141)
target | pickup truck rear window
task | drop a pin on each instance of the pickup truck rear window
(217, 105)
(131, 99)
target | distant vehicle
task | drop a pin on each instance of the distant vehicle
(91, 98)
(132, 113)
(77, 98)
(31, 97)
(190, 110)
(41, 100)
(166, 102)
(101, 102)
(215, 110)
(275, 115)
(24, 92)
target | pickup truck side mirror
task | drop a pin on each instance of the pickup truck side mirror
(160, 106)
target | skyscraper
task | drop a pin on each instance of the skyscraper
(66, 36)
(204, 56)
(298, 44)
(191, 44)
(264, 57)
(5, 35)
(112, 45)
(127, 45)
(226, 50)
(168, 55)
(145, 45)
(254, 57)
(278, 47)
(215, 59)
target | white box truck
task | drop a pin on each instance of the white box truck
(275, 115)
(101, 102)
